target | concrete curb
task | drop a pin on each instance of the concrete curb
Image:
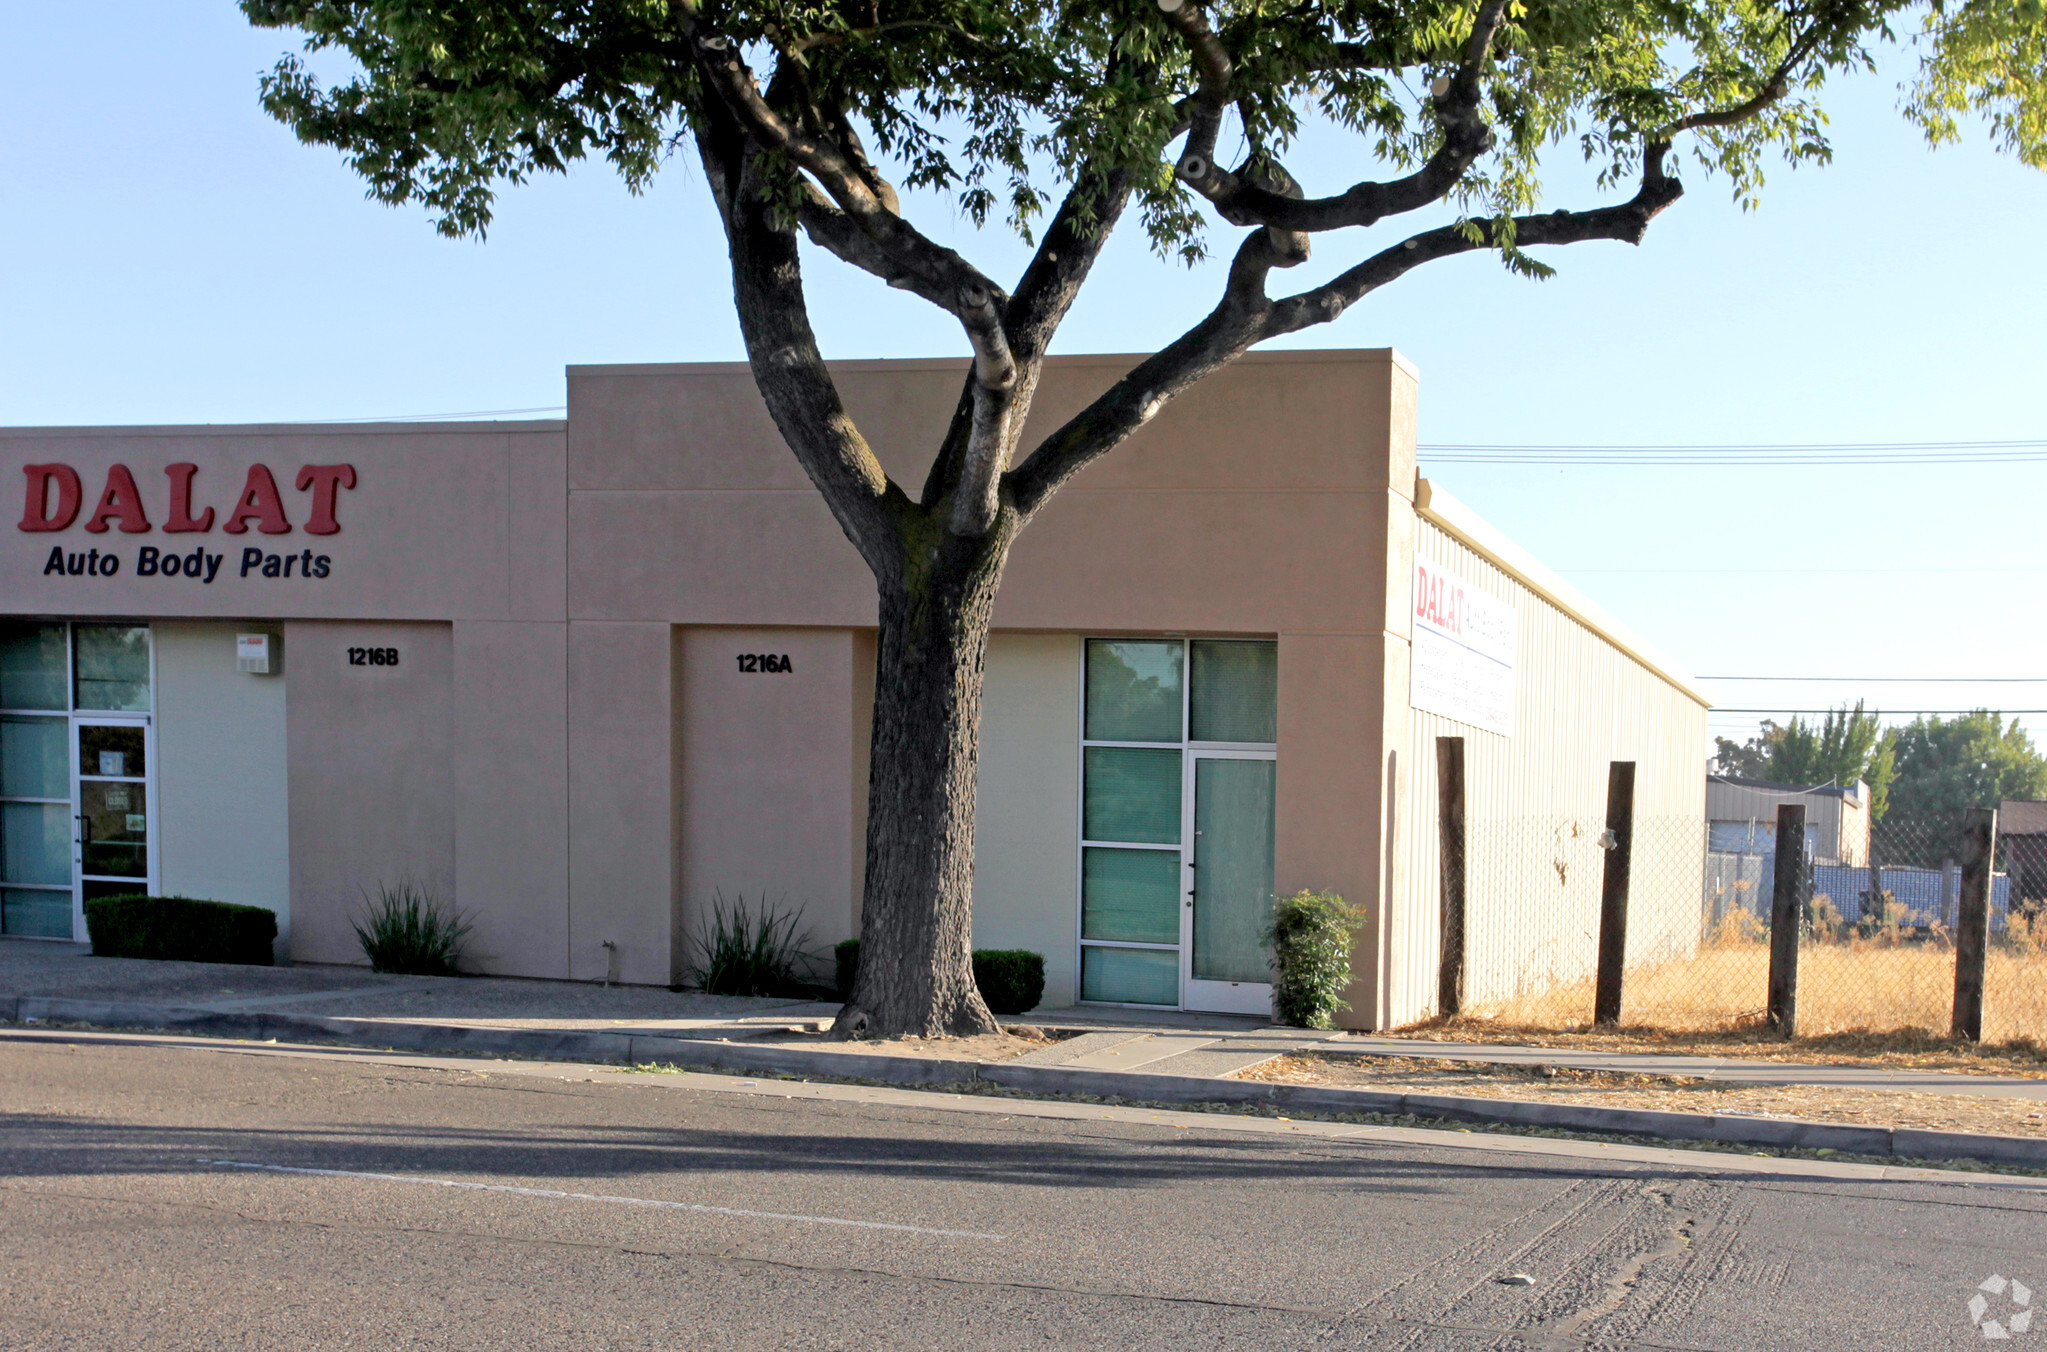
(771, 1059)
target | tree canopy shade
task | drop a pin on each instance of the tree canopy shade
(808, 116)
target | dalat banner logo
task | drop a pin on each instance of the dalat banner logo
(55, 496)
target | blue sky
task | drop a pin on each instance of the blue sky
(177, 257)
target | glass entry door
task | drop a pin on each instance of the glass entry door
(113, 821)
(1228, 862)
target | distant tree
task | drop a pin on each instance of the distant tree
(1059, 117)
(1948, 765)
(1849, 745)
(1750, 759)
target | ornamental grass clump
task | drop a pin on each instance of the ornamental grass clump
(751, 951)
(408, 930)
(1310, 941)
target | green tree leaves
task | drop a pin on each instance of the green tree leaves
(1927, 772)
(1848, 745)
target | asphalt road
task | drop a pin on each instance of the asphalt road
(151, 1196)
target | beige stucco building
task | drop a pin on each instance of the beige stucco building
(579, 676)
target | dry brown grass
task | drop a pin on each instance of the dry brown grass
(1669, 1093)
(1881, 990)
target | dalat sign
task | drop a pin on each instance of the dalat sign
(55, 496)
(1463, 660)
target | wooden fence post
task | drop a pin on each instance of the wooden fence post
(1613, 891)
(1451, 845)
(1787, 917)
(1972, 922)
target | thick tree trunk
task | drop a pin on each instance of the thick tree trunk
(916, 976)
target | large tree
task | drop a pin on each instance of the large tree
(806, 115)
(1949, 765)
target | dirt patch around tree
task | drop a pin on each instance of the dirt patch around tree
(1007, 1045)
(1666, 1093)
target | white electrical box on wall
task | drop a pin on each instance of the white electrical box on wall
(253, 654)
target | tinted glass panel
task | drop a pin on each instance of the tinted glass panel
(110, 751)
(1232, 868)
(1133, 794)
(116, 828)
(33, 763)
(1132, 895)
(113, 667)
(1133, 691)
(1136, 976)
(1236, 692)
(32, 667)
(35, 914)
(35, 843)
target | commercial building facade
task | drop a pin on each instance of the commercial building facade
(581, 677)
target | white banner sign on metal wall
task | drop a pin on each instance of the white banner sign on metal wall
(1463, 658)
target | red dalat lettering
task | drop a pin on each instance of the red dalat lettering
(55, 494)
(1439, 600)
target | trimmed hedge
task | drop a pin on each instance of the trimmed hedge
(1012, 980)
(181, 929)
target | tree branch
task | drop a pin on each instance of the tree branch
(896, 250)
(1241, 200)
(1239, 319)
(774, 319)
(1626, 223)
(1245, 316)
(1213, 70)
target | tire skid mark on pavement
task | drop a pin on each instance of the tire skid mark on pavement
(553, 1194)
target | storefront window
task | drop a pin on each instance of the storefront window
(1236, 692)
(74, 784)
(1130, 976)
(1131, 895)
(113, 667)
(33, 761)
(1133, 691)
(1133, 794)
(32, 666)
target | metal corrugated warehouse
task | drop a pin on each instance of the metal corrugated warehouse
(1586, 692)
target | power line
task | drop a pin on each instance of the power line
(1764, 454)
(1894, 680)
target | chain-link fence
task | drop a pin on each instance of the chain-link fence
(1876, 919)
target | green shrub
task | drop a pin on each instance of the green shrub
(751, 952)
(408, 930)
(1012, 980)
(181, 929)
(1310, 941)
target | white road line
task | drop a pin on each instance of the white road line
(601, 1197)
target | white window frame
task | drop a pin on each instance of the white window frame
(1184, 849)
(73, 717)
